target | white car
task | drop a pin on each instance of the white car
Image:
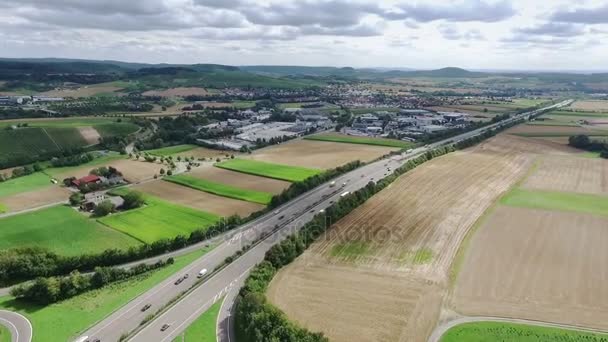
(202, 273)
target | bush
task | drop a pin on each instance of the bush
(133, 199)
(104, 208)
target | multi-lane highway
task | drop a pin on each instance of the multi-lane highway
(283, 222)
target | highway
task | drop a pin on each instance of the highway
(288, 219)
(18, 325)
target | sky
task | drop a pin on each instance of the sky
(472, 34)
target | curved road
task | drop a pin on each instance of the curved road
(445, 326)
(18, 325)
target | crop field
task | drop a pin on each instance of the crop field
(240, 180)
(159, 219)
(270, 170)
(553, 200)
(66, 137)
(535, 264)
(341, 138)
(353, 304)
(318, 154)
(590, 105)
(60, 229)
(66, 319)
(221, 189)
(59, 122)
(175, 92)
(35, 181)
(35, 198)
(207, 153)
(570, 174)
(171, 150)
(25, 141)
(410, 231)
(86, 91)
(203, 329)
(536, 131)
(116, 129)
(513, 332)
(133, 171)
(198, 200)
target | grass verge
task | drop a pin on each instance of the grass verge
(221, 189)
(204, 328)
(512, 332)
(269, 170)
(63, 321)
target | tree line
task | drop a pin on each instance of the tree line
(584, 142)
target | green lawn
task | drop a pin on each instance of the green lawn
(553, 200)
(62, 230)
(221, 189)
(64, 321)
(159, 219)
(270, 170)
(31, 182)
(5, 334)
(204, 328)
(511, 332)
(167, 151)
(359, 140)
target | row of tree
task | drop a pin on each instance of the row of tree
(53, 289)
(583, 142)
(20, 172)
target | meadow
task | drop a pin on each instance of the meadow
(360, 140)
(270, 170)
(66, 319)
(5, 334)
(62, 230)
(221, 189)
(512, 332)
(204, 328)
(167, 151)
(554, 200)
(159, 219)
(30, 182)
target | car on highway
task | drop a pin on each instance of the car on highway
(165, 327)
(202, 273)
(146, 307)
(186, 276)
(277, 211)
(178, 281)
(281, 217)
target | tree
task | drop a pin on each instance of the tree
(76, 198)
(169, 173)
(162, 172)
(579, 141)
(103, 209)
(189, 168)
(133, 199)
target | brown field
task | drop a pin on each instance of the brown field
(350, 304)
(318, 154)
(539, 265)
(570, 174)
(240, 180)
(174, 92)
(89, 134)
(86, 91)
(381, 272)
(33, 199)
(590, 105)
(133, 171)
(198, 199)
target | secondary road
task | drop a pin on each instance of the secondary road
(287, 219)
(447, 325)
(19, 326)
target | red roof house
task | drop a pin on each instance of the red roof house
(86, 180)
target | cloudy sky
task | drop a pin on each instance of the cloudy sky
(475, 34)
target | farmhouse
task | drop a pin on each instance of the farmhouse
(90, 179)
(93, 199)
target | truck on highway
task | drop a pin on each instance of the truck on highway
(345, 193)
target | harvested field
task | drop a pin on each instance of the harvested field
(89, 134)
(539, 265)
(551, 131)
(173, 92)
(199, 200)
(34, 199)
(351, 304)
(318, 154)
(591, 105)
(133, 171)
(342, 138)
(239, 180)
(570, 174)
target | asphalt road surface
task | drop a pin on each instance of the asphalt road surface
(19, 326)
(286, 220)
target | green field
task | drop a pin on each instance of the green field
(5, 334)
(102, 159)
(60, 122)
(167, 151)
(116, 129)
(25, 141)
(511, 332)
(221, 189)
(584, 114)
(31, 182)
(159, 219)
(360, 140)
(3, 208)
(203, 329)
(65, 320)
(553, 200)
(66, 137)
(269, 170)
(62, 230)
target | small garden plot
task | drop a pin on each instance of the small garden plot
(159, 220)
(340, 138)
(62, 230)
(270, 170)
(221, 189)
